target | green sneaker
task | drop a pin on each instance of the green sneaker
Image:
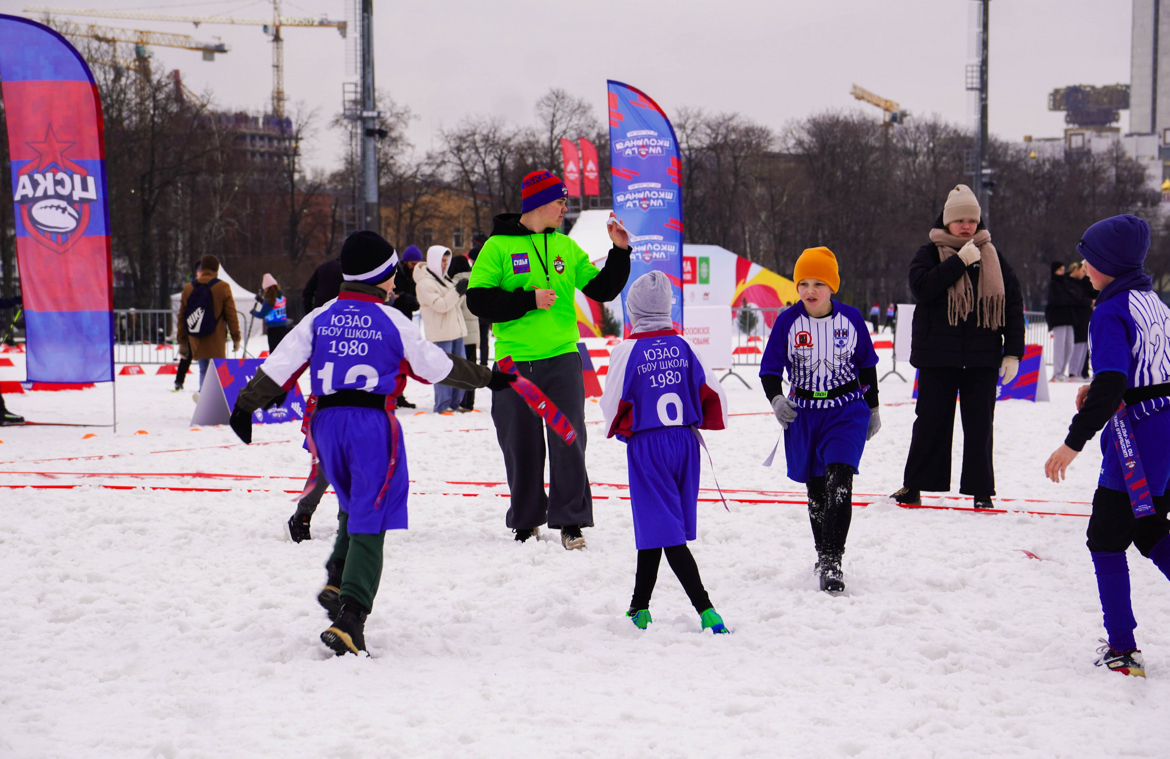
(640, 618)
(711, 619)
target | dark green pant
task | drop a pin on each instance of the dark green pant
(360, 557)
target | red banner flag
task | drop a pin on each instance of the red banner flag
(572, 168)
(589, 168)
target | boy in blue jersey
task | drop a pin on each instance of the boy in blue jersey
(657, 395)
(831, 409)
(1128, 338)
(359, 352)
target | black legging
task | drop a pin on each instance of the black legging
(683, 564)
(830, 509)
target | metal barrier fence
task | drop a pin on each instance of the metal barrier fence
(143, 336)
(750, 328)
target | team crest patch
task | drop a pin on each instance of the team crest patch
(54, 194)
(803, 339)
(840, 337)
(559, 265)
(520, 263)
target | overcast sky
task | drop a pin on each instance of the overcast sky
(771, 60)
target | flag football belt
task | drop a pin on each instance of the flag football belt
(539, 402)
(1136, 395)
(826, 395)
(358, 398)
(1134, 473)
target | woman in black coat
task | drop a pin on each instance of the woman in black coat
(968, 332)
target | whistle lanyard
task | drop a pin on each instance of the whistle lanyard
(544, 261)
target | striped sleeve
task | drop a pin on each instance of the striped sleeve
(612, 405)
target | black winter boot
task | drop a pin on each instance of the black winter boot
(832, 578)
(907, 497)
(330, 595)
(347, 635)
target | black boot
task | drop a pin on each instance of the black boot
(330, 595)
(7, 417)
(403, 403)
(832, 578)
(907, 497)
(347, 635)
(984, 502)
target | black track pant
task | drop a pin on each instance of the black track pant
(1113, 527)
(181, 372)
(928, 466)
(521, 435)
(830, 509)
(683, 564)
(469, 395)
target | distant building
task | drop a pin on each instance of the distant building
(1150, 69)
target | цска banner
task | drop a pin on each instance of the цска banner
(59, 190)
(645, 164)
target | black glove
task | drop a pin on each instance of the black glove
(277, 401)
(406, 303)
(501, 380)
(241, 423)
(461, 286)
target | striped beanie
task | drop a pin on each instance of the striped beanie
(367, 258)
(539, 188)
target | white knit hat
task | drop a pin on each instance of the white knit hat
(961, 204)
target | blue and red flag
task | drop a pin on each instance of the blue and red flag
(57, 153)
(644, 161)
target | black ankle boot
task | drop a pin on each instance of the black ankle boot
(347, 634)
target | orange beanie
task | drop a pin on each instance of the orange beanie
(818, 263)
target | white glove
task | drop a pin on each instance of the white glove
(1008, 369)
(969, 253)
(784, 410)
(875, 424)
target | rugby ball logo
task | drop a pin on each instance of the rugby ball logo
(53, 194)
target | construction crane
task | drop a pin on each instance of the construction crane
(271, 26)
(142, 39)
(893, 112)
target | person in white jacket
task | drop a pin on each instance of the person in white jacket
(441, 305)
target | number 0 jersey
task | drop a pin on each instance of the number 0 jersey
(656, 379)
(356, 342)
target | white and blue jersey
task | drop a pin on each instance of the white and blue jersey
(1130, 333)
(356, 342)
(657, 392)
(820, 354)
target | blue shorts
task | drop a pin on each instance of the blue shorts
(353, 445)
(821, 436)
(664, 485)
(1151, 435)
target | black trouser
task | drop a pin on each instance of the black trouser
(484, 328)
(275, 335)
(521, 435)
(469, 395)
(685, 569)
(830, 509)
(1113, 527)
(928, 466)
(307, 505)
(184, 367)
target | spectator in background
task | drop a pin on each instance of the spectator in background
(184, 349)
(460, 271)
(1065, 299)
(875, 316)
(891, 310)
(7, 417)
(441, 302)
(323, 286)
(485, 327)
(405, 297)
(1079, 366)
(274, 311)
(208, 314)
(968, 331)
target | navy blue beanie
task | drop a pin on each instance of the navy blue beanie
(1116, 245)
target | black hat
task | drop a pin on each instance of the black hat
(366, 257)
(1056, 266)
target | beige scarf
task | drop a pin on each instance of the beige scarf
(961, 298)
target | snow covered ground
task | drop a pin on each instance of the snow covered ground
(171, 623)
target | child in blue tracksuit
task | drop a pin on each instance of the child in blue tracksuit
(359, 352)
(1128, 338)
(831, 409)
(657, 395)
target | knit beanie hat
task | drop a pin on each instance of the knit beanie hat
(367, 258)
(412, 253)
(1056, 266)
(818, 263)
(648, 302)
(1116, 245)
(539, 188)
(268, 281)
(961, 204)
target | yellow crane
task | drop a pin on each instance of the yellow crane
(141, 38)
(271, 26)
(893, 111)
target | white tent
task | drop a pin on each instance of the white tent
(245, 301)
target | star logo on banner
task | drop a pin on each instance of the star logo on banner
(51, 150)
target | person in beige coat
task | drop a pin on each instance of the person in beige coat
(460, 271)
(223, 309)
(440, 302)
